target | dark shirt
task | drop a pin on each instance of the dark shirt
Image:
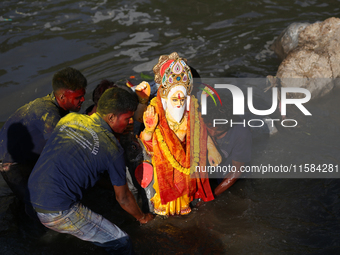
(23, 136)
(235, 145)
(79, 150)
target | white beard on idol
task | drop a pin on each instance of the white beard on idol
(175, 113)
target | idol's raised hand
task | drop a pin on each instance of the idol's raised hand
(150, 119)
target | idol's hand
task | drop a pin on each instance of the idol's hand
(214, 156)
(150, 119)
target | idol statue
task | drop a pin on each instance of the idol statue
(176, 138)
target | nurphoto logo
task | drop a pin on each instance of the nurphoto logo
(239, 100)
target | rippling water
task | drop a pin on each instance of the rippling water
(117, 39)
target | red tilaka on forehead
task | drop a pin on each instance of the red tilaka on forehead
(179, 96)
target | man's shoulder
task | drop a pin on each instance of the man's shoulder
(48, 99)
(240, 129)
(41, 106)
(34, 110)
(236, 133)
(77, 120)
(92, 124)
(92, 129)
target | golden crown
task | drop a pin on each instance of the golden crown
(170, 71)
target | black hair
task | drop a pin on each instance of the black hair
(117, 101)
(100, 89)
(197, 80)
(68, 78)
(128, 90)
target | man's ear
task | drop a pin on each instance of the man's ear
(111, 118)
(59, 94)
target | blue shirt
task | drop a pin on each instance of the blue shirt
(23, 136)
(78, 151)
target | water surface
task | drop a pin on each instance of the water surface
(118, 39)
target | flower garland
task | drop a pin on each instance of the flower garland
(174, 163)
(196, 142)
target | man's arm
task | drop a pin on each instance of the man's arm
(129, 204)
(230, 179)
(143, 92)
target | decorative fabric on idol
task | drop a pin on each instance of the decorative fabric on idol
(173, 71)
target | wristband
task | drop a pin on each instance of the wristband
(143, 100)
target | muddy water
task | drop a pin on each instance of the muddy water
(117, 39)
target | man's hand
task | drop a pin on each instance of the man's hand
(143, 91)
(129, 204)
(146, 218)
(214, 157)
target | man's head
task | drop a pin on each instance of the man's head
(100, 89)
(224, 112)
(69, 88)
(117, 106)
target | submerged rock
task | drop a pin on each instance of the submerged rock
(311, 62)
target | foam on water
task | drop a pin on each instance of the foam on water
(266, 51)
(145, 66)
(170, 34)
(221, 24)
(144, 42)
(247, 47)
(99, 16)
(127, 17)
(246, 33)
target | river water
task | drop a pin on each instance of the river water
(119, 39)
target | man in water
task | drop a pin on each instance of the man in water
(128, 140)
(23, 136)
(234, 143)
(79, 150)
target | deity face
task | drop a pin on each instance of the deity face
(177, 100)
(176, 103)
